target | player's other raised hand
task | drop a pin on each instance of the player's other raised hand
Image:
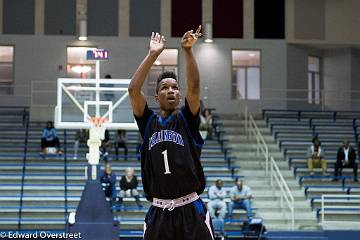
(157, 43)
(190, 38)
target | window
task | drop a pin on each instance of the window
(6, 69)
(60, 17)
(18, 16)
(144, 11)
(102, 17)
(167, 61)
(314, 78)
(77, 65)
(245, 82)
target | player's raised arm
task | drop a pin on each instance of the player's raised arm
(192, 71)
(137, 98)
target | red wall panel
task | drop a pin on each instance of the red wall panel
(228, 18)
(185, 15)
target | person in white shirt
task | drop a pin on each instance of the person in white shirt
(240, 196)
(206, 123)
(217, 195)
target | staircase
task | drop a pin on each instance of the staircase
(266, 201)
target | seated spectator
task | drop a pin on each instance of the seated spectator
(138, 146)
(120, 142)
(218, 224)
(217, 197)
(240, 196)
(50, 140)
(108, 182)
(206, 123)
(81, 137)
(315, 154)
(346, 158)
(105, 146)
(128, 186)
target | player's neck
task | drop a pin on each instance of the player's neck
(166, 113)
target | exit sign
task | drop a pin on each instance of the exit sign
(97, 54)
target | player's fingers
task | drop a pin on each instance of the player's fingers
(187, 33)
(198, 29)
(194, 36)
(163, 39)
(152, 35)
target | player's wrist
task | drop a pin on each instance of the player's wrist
(153, 54)
(186, 48)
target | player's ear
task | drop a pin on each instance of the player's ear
(156, 97)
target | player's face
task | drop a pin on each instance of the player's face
(168, 95)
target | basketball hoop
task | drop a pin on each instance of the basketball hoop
(96, 135)
(98, 121)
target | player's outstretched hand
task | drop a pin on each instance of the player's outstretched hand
(190, 38)
(157, 43)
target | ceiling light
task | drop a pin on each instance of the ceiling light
(208, 33)
(82, 30)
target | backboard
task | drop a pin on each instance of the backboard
(79, 100)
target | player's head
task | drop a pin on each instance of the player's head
(167, 92)
(346, 143)
(219, 183)
(239, 183)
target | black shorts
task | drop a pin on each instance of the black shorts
(189, 222)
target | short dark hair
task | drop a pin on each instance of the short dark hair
(51, 124)
(162, 76)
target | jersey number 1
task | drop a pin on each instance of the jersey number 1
(166, 162)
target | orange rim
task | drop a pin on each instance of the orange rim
(98, 121)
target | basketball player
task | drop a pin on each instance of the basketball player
(170, 156)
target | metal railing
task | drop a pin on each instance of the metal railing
(277, 177)
(344, 205)
(261, 146)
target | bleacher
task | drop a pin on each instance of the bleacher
(38, 193)
(294, 130)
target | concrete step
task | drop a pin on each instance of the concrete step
(252, 168)
(251, 147)
(242, 138)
